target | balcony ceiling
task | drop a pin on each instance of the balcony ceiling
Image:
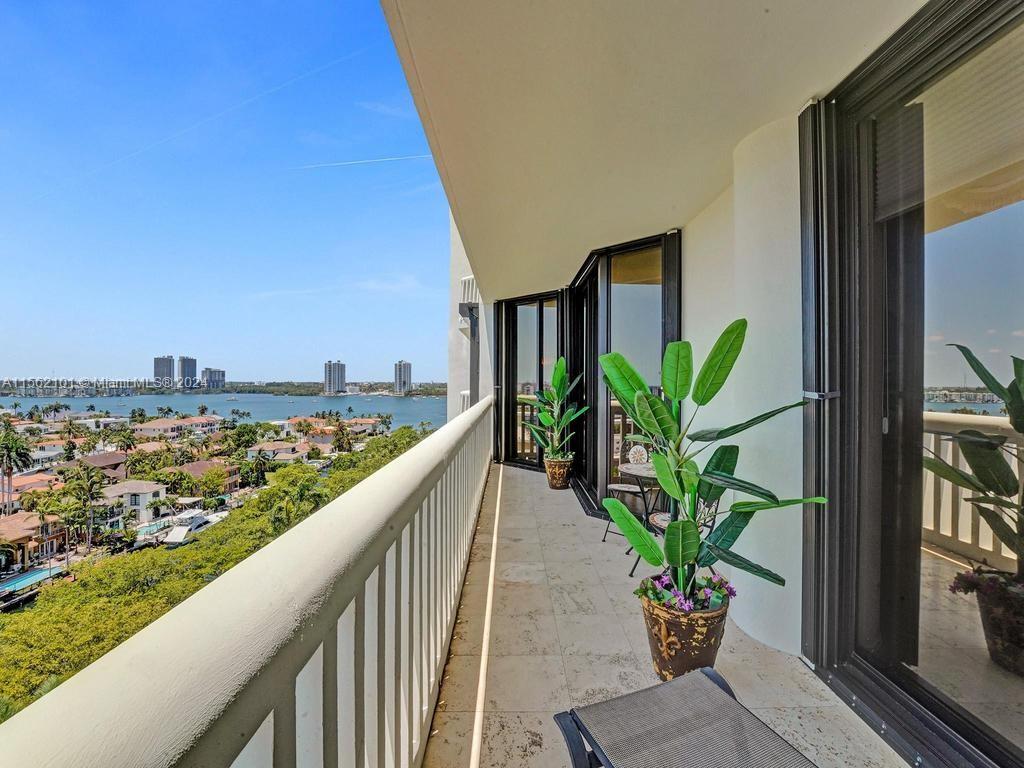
(563, 126)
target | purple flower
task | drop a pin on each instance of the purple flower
(685, 605)
(715, 579)
(730, 590)
(662, 581)
(708, 592)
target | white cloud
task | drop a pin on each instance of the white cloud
(996, 351)
(991, 331)
(1019, 332)
(936, 337)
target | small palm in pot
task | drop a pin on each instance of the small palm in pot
(554, 416)
(685, 606)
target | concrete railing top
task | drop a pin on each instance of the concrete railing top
(215, 665)
(941, 421)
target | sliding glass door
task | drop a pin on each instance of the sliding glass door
(530, 347)
(918, 590)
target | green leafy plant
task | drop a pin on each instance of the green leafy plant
(554, 413)
(993, 486)
(694, 537)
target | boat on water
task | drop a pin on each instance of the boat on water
(232, 399)
(186, 525)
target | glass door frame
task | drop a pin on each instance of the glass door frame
(505, 362)
(842, 321)
(587, 343)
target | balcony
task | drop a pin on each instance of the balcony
(437, 614)
(547, 620)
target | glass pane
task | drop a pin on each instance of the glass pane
(634, 330)
(526, 377)
(550, 351)
(950, 231)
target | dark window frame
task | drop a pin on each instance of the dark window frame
(834, 202)
(505, 370)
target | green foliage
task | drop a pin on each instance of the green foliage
(71, 624)
(999, 496)
(692, 539)
(555, 413)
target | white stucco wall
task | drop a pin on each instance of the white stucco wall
(741, 258)
(458, 342)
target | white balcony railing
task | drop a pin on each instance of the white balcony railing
(469, 293)
(323, 649)
(948, 521)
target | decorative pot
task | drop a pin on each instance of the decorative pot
(558, 473)
(682, 642)
(1002, 618)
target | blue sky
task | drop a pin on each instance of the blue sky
(154, 198)
(973, 277)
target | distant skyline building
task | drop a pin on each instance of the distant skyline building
(403, 377)
(214, 378)
(163, 369)
(187, 372)
(334, 377)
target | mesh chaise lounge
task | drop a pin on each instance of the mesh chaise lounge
(693, 721)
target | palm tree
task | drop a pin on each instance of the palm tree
(261, 464)
(164, 411)
(86, 487)
(16, 407)
(71, 429)
(123, 440)
(7, 552)
(342, 442)
(304, 428)
(15, 455)
(202, 409)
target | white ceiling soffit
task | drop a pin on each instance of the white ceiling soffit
(563, 126)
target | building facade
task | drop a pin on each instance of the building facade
(187, 378)
(213, 378)
(163, 370)
(403, 377)
(334, 377)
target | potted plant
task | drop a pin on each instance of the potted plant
(995, 491)
(554, 415)
(685, 606)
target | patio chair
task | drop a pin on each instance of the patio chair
(693, 721)
(616, 490)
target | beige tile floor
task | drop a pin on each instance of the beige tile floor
(565, 630)
(953, 657)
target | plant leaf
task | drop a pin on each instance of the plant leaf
(953, 474)
(640, 538)
(639, 439)
(989, 465)
(682, 542)
(1001, 528)
(1015, 405)
(677, 370)
(653, 412)
(741, 513)
(719, 363)
(758, 506)
(667, 477)
(622, 379)
(558, 377)
(539, 435)
(738, 561)
(720, 433)
(982, 372)
(546, 418)
(743, 486)
(724, 460)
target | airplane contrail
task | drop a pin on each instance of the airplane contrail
(208, 119)
(361, 162)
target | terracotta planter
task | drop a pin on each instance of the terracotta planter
(558, 473)
(1002, 618)
(682, 642)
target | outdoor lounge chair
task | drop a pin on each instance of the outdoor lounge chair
(693, 721)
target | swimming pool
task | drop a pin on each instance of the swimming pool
(28, 578)
(150, 528)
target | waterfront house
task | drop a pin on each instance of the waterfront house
(620, 176)
(31, 538)
(96, 423)
(174, 428)
(111, 463)
(199, 468)
(29, 481)
(134, 495)
(280, 450)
